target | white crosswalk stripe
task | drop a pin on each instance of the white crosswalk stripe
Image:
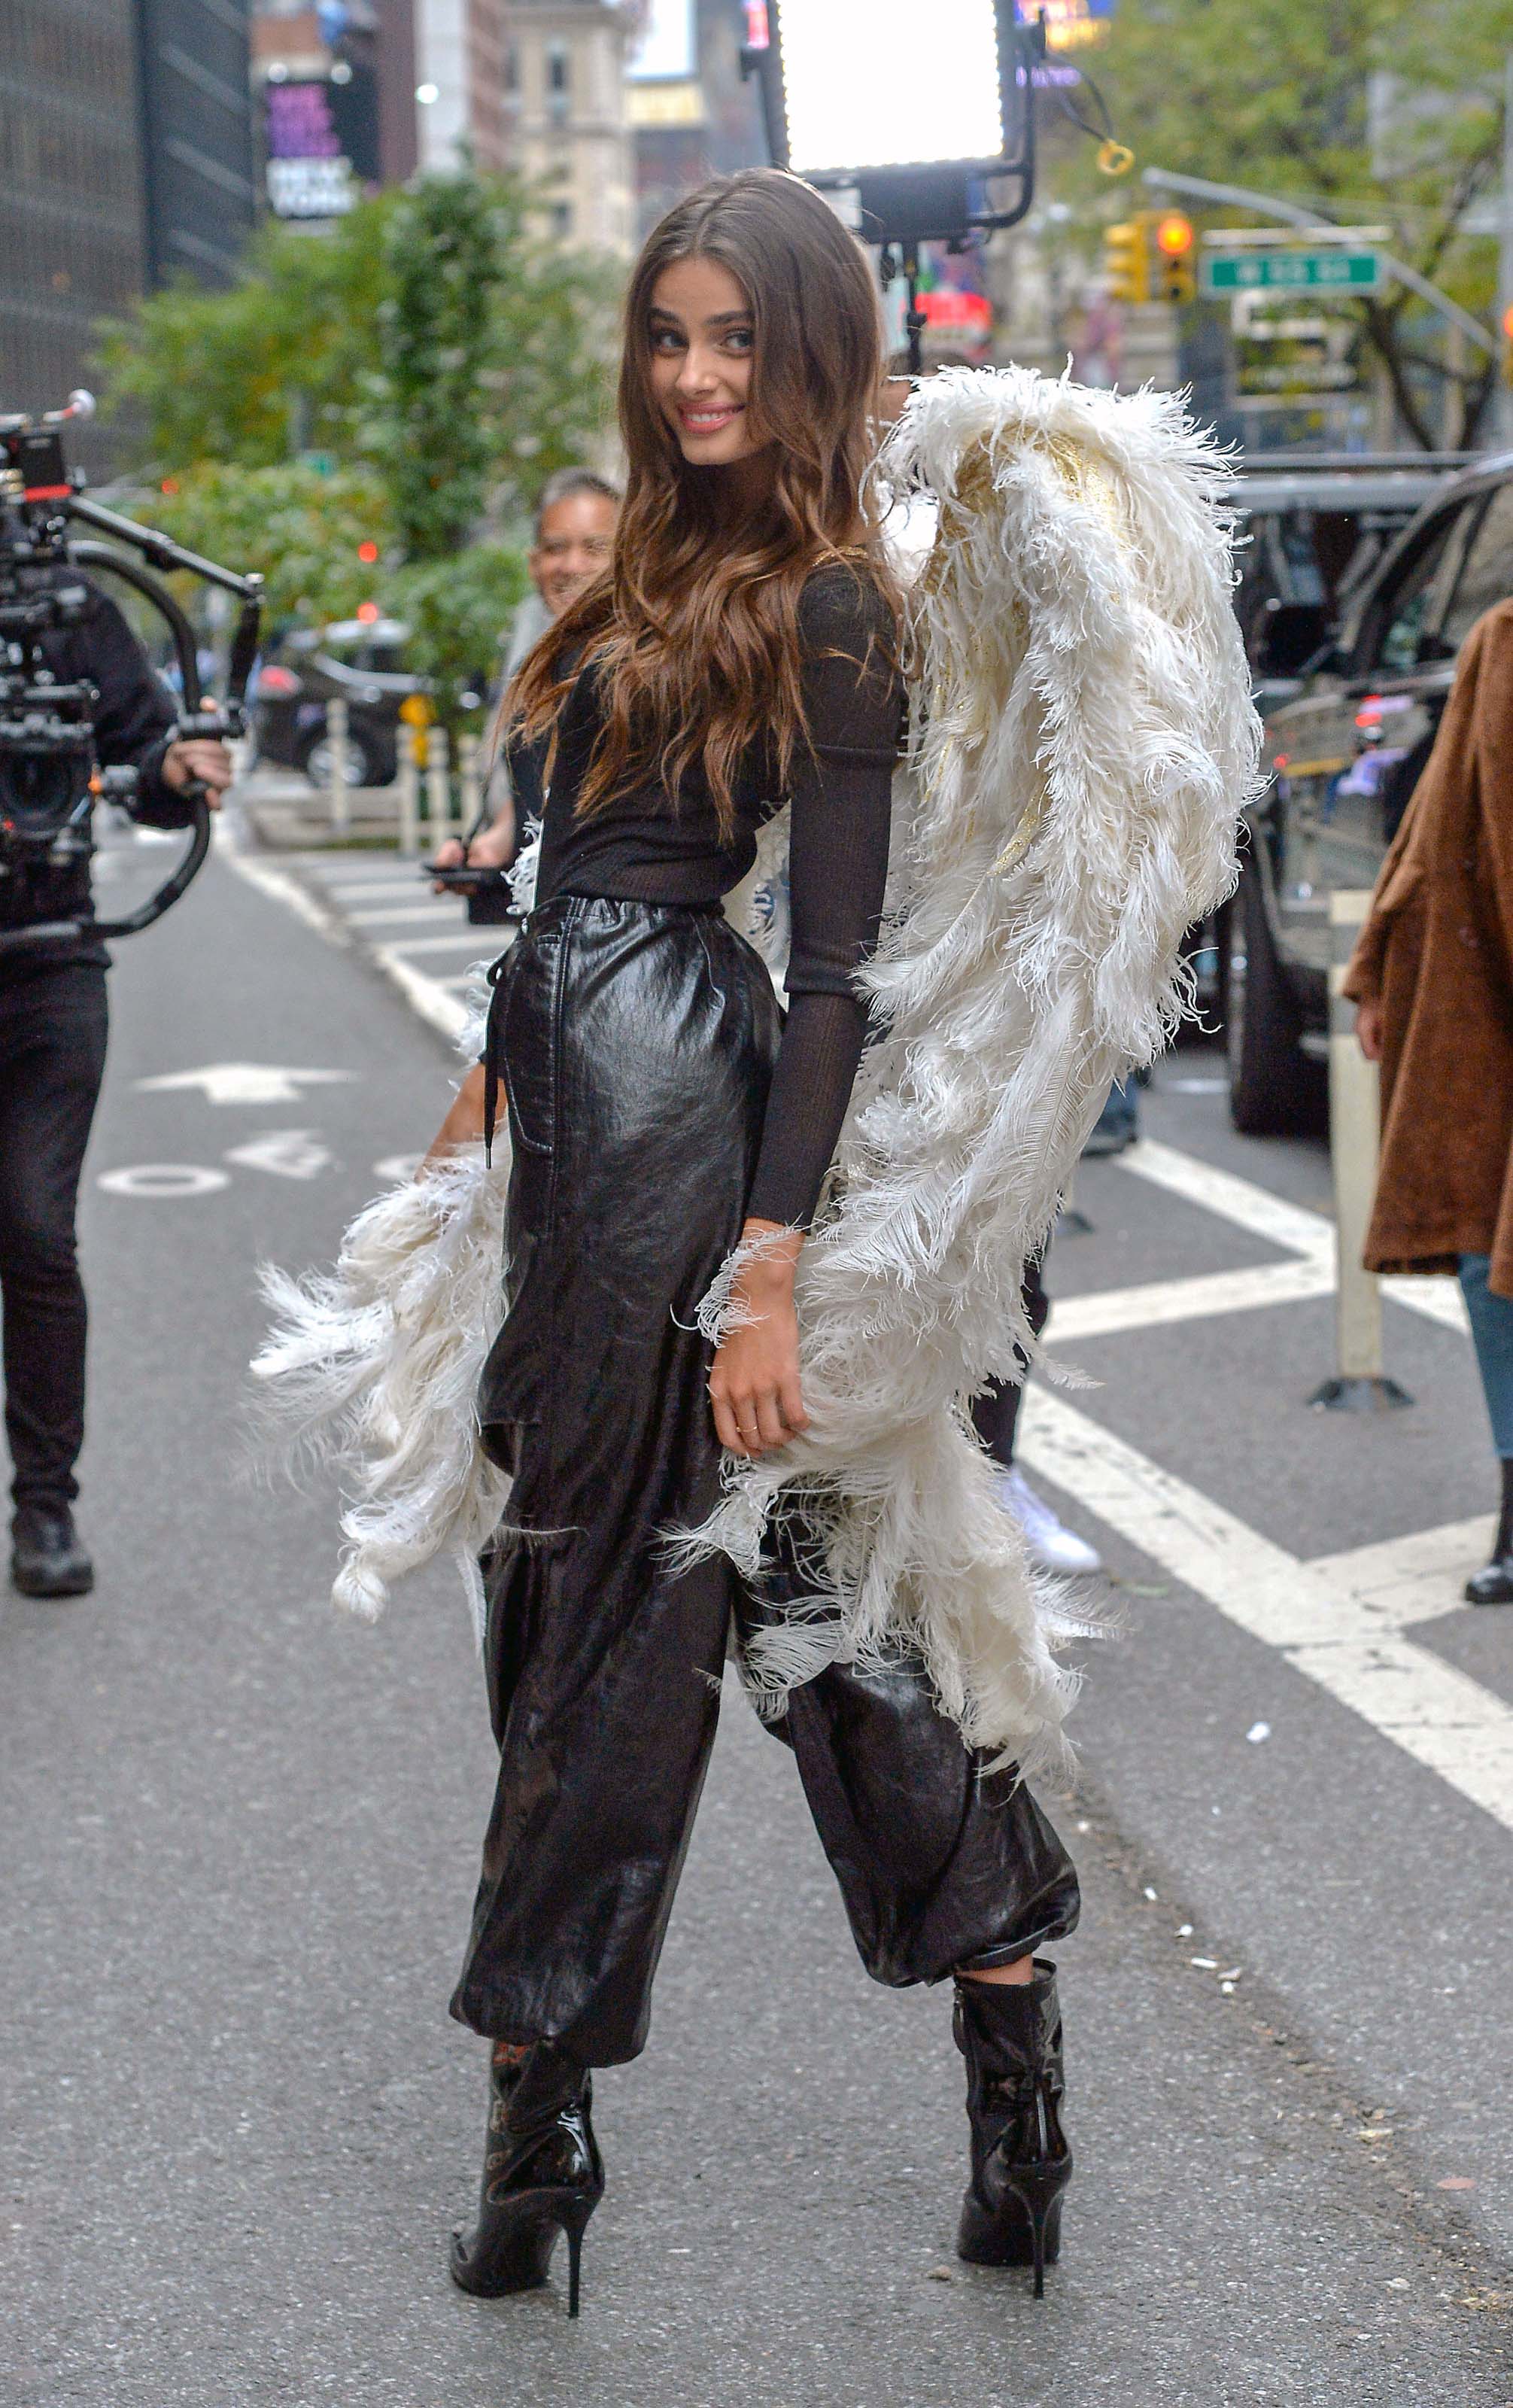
(1324, 1622)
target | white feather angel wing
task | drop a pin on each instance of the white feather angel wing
(1083, 744)
(1084, 741)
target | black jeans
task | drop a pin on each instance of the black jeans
(638, 1044)
(52, 1040)
(996, 1415)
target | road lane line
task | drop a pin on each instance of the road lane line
(364, 890)
(460, 937)
(424, 995)
(1415, 1578)
(280, 888)
(1438, 1300)
(412, 914)
(1110, 1311)
(1223, 1192)
(1264, 1215)
(1436, 1714)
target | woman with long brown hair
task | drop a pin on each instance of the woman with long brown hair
(740, 651)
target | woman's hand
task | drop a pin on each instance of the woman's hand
(490, 849)
(1369, 1018)
(754, 1384)
(463, 1123)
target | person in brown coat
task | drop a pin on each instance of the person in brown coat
(1432, 978)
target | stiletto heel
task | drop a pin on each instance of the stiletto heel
(575, 2230)
(542, 2175)
(1010, 2035)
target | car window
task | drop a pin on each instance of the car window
(1409, 607)
(1486, 573)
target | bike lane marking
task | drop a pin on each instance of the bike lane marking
(1322, 1625)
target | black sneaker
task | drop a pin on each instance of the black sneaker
(46, 1559)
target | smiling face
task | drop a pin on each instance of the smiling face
(573, 544)
(702, 341)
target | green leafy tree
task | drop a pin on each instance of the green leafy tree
(446, 255)
(459, 611)
(301, 530)
(273, 367)
(1366, 111)
(431, 335)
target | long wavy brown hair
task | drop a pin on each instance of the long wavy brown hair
(692, 630)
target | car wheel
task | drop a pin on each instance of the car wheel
(1275, 1088)
(364, 768)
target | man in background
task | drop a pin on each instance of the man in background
(575, 534)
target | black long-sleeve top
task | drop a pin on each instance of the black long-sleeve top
(648, 847)
(134, 723)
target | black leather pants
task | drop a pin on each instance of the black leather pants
(637, 1043)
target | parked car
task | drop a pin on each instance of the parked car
(361, 661)
(1314, 527)
(1343, 754)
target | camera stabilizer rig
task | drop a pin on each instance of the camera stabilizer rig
(49, 778)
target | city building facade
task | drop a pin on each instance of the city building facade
(563, 124)
(126, 158)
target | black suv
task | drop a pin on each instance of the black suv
(1344, 753)
(362, 662)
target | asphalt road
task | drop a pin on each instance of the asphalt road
(242, 1837)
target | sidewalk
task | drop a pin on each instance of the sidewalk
(362, 892)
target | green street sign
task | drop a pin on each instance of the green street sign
(1291, 271)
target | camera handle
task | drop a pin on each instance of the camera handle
(163, 554)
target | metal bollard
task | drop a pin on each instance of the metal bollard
(469, 784)
(338, 808)
(1360, 1385)
(407, 779)
(438, 786)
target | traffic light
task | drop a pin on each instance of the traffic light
(1175, 280)
(1127, 258)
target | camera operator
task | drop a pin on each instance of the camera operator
(52, 1045)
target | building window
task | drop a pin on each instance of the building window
(559, 80)
(513, 67)
(562, 220)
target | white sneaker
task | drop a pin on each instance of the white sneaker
(1053, 1547)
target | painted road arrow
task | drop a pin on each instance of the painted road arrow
(245, 1082)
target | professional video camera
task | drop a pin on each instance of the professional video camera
(49, 778)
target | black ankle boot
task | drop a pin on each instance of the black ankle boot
(46, 1559)
(542, 2174)
(1010, 2035)
(1493, 1583)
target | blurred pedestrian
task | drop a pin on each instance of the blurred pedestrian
(574, 538)
(1118, 1126)
(996, 1417)
(1432, 978)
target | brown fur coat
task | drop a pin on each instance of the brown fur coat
(1437, 951)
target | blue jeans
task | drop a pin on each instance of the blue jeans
(1491, 1334)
